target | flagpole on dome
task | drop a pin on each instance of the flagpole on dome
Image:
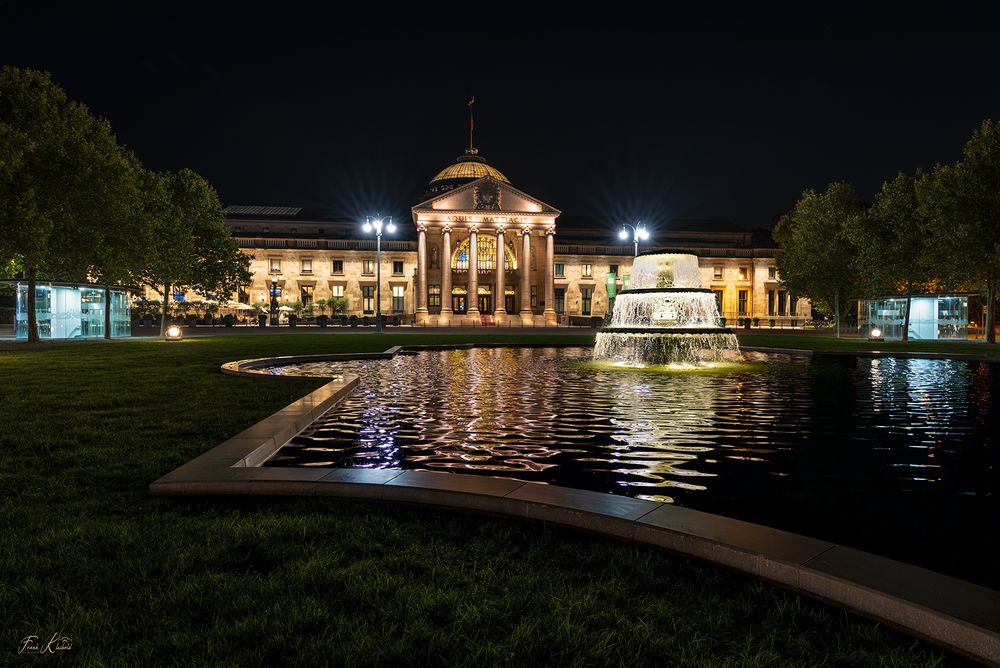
(472, 126)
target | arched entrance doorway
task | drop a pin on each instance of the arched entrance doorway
(485, 299)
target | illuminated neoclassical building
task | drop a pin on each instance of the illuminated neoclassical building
(484, 248)
(550, 274)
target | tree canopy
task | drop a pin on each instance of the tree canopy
(76, 205)
(815, 249)
(961, 207)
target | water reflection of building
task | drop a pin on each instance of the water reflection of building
(470, 211)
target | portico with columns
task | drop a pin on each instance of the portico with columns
(485, 250)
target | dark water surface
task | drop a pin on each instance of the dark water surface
(894, 456)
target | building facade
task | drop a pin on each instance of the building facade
(530, 268)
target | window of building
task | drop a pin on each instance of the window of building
(585, 297)
(321, 231)
(782, 300)
(434, 258)
(338, 266)
(534, 265)
(588, 270)
(613, 269)
(336, 290)
(791, 304)
(560, 300)
(368, 298)
(744, 274)
(307, 265)
(534, 296)
(266, 228)
(743, 302)
(560, 270)
(242, 296)
(275, 291)
(772, 273)
(719, 294)
(434, 295)
(306, 294)
(275, 265)
(397, 267)
(294, 230)
(717, 272)
(770, 302)
(486, 254)
(368, 267)
(398, 291)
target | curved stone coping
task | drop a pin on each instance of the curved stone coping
(949, 612)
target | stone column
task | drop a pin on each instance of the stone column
(445, 272)
(473, 296)
(421, 313)
(526, 274)
(550, 288)
(500, 299)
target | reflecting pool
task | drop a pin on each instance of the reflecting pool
(894, 456)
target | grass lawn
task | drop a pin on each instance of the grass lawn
(825, 343)
(135, 580)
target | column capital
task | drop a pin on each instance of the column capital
(473, 229)
(550, 230)
(501, 229)
(446, 228)
(526, 230)
(421, 226)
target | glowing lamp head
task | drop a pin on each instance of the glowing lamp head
(390, 228)
(623, 234)
(876, 333)
(367, 227)
(643, 233)
(174, 333)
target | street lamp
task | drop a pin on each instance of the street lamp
(639, 231)
(376, 224)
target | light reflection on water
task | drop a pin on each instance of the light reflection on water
(864, 447)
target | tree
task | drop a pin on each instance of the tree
(961, 208)
(61, 171)
(892, 243)
(815, 251)
(192, 249)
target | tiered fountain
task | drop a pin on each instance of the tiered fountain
(666, 317)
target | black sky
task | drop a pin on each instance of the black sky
(720, 112)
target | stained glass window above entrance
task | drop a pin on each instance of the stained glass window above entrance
(487, 255)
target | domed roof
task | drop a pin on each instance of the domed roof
(467, 169)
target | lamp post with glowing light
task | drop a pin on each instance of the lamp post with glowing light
(639, 231)
(376, 223)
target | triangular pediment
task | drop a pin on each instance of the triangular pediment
(488, 195)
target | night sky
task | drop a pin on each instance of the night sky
(718, 113)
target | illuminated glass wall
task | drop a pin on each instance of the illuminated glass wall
(931, 316)
(72, 311)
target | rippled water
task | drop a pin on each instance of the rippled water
(895, 456)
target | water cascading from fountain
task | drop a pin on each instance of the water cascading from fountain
(666, 317)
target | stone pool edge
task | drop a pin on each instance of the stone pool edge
(948, 612)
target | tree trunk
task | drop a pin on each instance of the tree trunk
(107, 311)
(991, 314)
(166, 309)
(906, 316)
(836, 311)
(32, 308)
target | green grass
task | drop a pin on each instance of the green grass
(136, 580)
(828, 343)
